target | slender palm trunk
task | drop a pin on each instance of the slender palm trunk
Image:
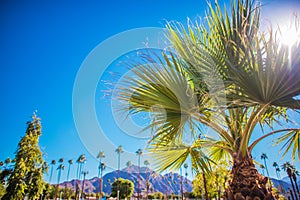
(293, 187)
(51, 174)
(297, 188)
(246, 182)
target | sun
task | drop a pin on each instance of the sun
(290, 32)
(290, 37)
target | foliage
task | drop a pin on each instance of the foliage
(215, 181)
(156, 195)
(27, 175)
(2, 190)
(125, 187)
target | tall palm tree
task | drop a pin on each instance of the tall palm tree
(119, 150)
(53, 162)
(277, 170)
(226, 76)
(100, 156)
(70, 162)
(139, 153)
(80, 162)
(265, 157)
(290, 170)
(59, 168)
(101, 177)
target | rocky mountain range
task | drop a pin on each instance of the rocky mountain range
(168, 183)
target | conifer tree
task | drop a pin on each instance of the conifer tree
(27, 176)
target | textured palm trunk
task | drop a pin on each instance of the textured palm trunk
(246, 182)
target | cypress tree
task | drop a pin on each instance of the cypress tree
(27, 176)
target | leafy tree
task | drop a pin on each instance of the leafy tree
(226, 76)
(124, 186)
(27, 175)
(214, 183)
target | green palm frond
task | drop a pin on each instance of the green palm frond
(172, 155)
(162, 89)
(291, 142)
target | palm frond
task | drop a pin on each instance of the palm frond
(291, 142)
(171, 155)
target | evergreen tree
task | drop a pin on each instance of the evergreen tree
(27, 175)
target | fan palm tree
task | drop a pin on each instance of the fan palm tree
(290, 170)
(277, 170)
(53, 162)
(119, 150)
(100, 156)
(265, 157)
(139, 153)
(101, 176)
(227, 76)
(59, 168)
(80, 162)
(70, 162)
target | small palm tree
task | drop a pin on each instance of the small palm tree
(53, 162)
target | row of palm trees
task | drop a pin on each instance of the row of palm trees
(82, 172)
(289, 169)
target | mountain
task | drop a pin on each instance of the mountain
(168, 183)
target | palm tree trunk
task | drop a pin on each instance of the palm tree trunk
(297, 188)
(246, 182)
(293, 186)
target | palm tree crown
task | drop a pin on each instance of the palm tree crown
(224, 75)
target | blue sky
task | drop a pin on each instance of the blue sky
(43, 45)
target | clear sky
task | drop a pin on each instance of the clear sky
(43, 46)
